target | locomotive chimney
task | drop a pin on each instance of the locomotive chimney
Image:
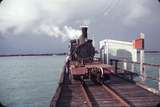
(84, 32)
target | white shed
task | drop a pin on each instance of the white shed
(113, 49)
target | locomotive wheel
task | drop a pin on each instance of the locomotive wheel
(99, 78)
(96, 78)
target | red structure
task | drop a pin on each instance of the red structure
(138, 43)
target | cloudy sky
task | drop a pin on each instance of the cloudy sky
(45, 26)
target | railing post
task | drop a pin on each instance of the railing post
(132, 71)
(101, 54)
(132, 68)
(105, 53)
(159, 78)
(116, 66)
(142, 71)
(111, 61)
(143, 74)
(125, 65)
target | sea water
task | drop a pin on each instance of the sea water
(29, 81)
(32, 81)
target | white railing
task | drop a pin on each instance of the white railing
(131, 71)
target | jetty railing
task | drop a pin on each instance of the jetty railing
(149, 76)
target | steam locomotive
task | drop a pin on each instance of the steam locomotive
(83, 64)
(82, 49)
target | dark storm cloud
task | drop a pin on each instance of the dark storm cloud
(41, 26)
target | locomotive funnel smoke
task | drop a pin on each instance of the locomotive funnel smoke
(72, 33)
(65, 32)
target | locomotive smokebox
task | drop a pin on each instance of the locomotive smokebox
(84, 31)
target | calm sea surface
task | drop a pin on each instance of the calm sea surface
(32, 81)
(29, 81)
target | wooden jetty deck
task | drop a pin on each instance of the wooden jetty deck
(117, 93)
(135, 95)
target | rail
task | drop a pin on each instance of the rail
(130, 70)
(86, 97)
(98, 93)
(115, 95)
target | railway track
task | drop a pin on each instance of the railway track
(89, 94)
(103, 96)
(118, 93)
